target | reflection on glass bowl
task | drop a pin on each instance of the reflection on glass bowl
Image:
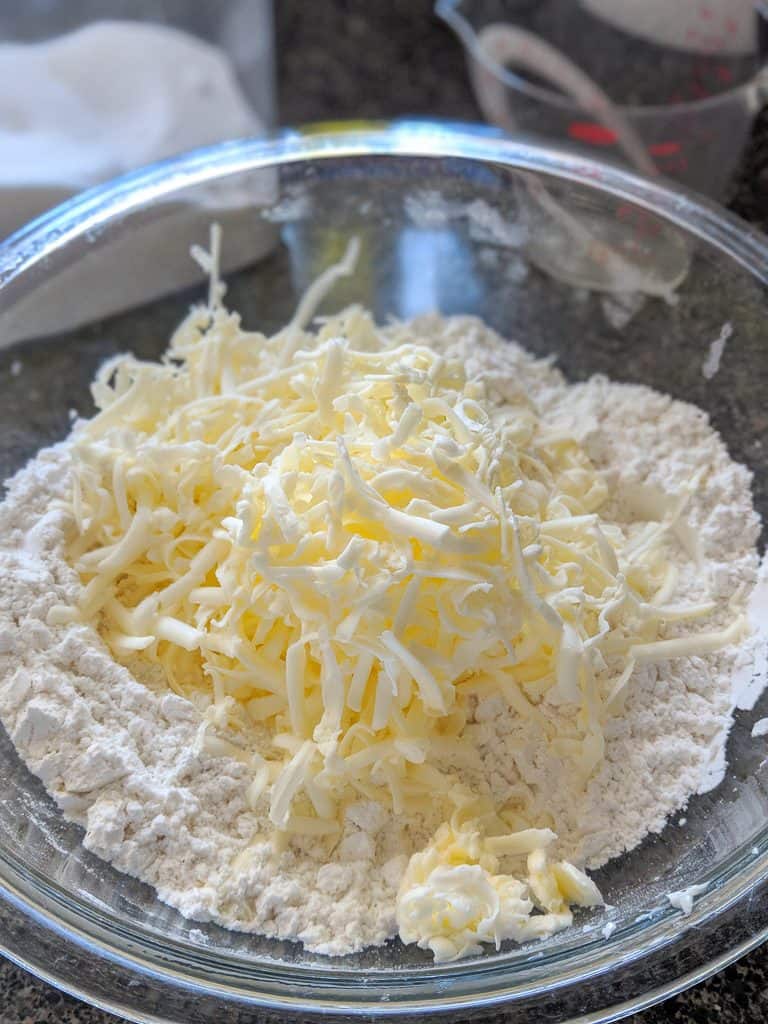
(294, 201)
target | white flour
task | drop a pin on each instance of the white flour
(117, 755)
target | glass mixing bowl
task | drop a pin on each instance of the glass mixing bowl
(462, 221)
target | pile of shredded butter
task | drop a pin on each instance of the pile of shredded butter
(331, 542)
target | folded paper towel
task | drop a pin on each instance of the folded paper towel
(111, 96)
(100, 101)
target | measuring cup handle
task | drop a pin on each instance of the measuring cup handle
(500, 44)
(491, 93)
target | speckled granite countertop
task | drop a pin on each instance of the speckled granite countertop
(351, 58)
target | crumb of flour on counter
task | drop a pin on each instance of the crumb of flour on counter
(683, 899)
(230, 594)
(711, 364)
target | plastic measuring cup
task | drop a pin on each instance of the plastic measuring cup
(688, 106)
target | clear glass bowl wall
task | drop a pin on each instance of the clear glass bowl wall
(103, 935)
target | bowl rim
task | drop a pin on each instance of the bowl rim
(90, 213)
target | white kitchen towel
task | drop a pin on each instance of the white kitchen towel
(93, 104)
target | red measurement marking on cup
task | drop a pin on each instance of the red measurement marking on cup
(664, 149)
(591, 132)
(598, 135)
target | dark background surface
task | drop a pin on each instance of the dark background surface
(341, 59)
